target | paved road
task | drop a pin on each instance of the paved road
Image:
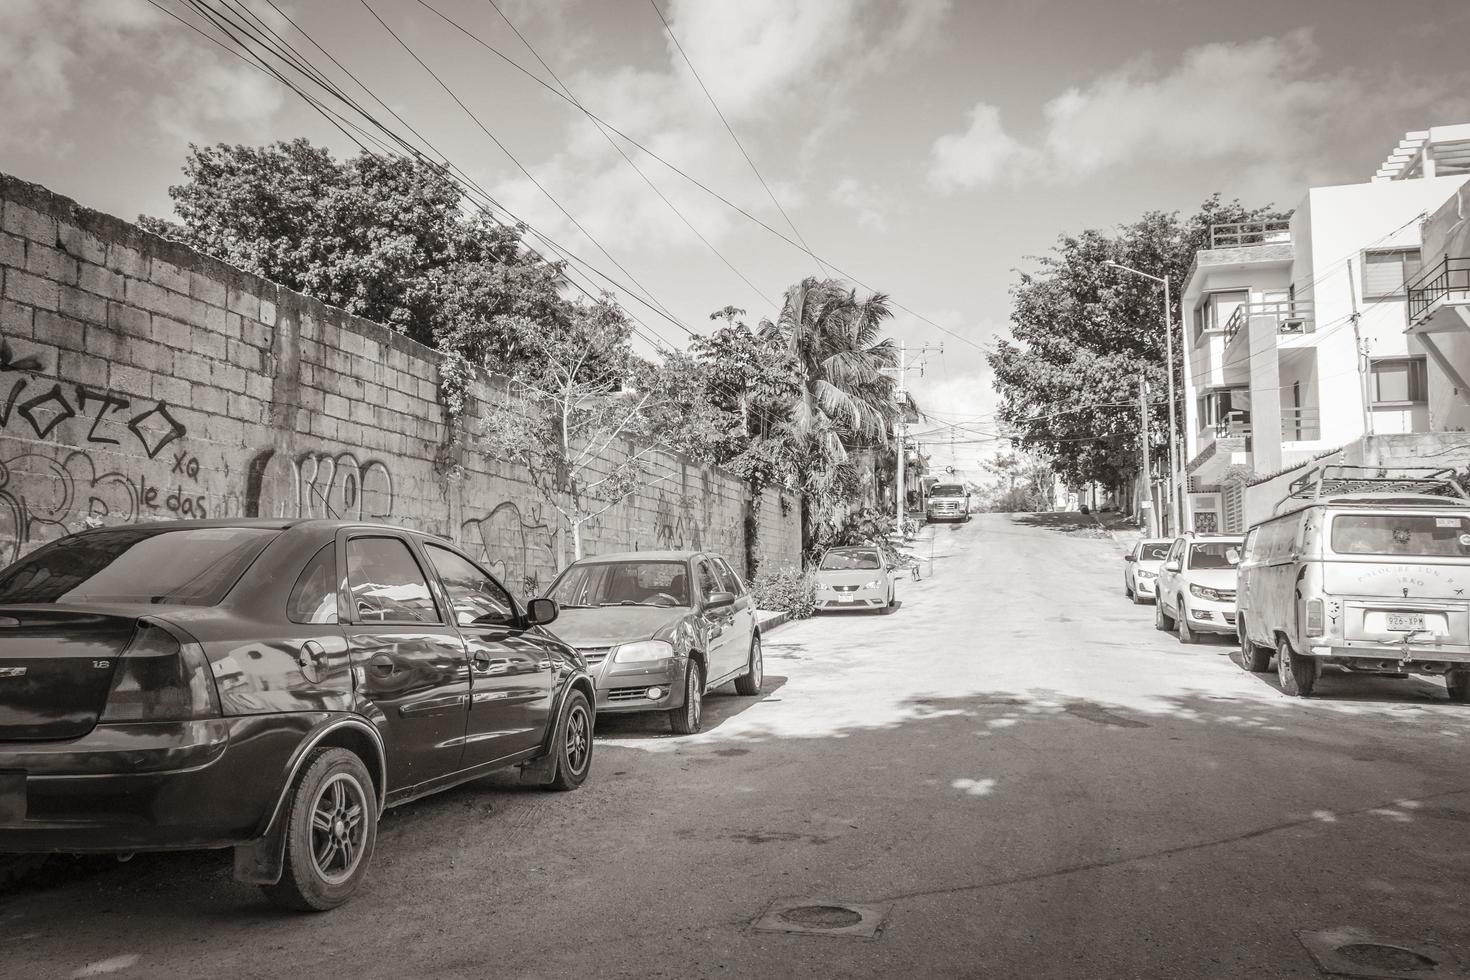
(1029, 778)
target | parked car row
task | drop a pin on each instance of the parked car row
(273, 686)
(1360, 570)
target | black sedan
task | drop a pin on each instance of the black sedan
(267, 686)
(659, 628)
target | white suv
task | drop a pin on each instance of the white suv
(1196, 586)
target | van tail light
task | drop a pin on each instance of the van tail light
(161, 678)
(1315, 617)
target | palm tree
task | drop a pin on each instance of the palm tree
(835, 339)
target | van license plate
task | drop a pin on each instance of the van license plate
(1406, 622)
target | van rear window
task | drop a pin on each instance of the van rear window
(1410, 535)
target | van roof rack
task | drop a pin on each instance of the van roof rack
(1339, 479)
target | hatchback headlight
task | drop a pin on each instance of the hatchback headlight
(1204, 592)
(643, 651)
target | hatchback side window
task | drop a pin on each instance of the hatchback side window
(476, 598)
(314, 599)
(708, 584)
(386, 582)
(729, 581)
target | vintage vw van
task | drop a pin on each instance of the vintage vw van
(1364, 569)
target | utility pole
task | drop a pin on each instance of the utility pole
(900, 395)
(1145, 467)
(1359, 355)
(1175, 491)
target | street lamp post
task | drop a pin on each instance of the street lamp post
(1169, 369)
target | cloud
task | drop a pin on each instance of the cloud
(57, 57)
(981, 154)
(1268, 104)
(868, 203)
(774, 67)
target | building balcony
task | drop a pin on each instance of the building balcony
(1291, 318)
(1233, 442)
(1241, 234)
(1301, 424)
(1439, 299)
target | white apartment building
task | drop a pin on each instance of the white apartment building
(1296, 332)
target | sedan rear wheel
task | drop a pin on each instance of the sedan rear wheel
(332, 827)
(686, 720)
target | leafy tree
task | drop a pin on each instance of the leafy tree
(386, 238)
(583, 432)
(1082, 331)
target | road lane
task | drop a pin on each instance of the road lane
(1030, 778)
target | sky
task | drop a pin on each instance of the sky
(929, 149)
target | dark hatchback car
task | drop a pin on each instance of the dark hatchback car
(658, 629)
(267, 686)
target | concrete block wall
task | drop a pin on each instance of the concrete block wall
(141, 380)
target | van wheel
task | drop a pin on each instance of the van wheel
(1162, 620)
(1252, 657)
(1457, 683)
(1298, 674)
(332, 826)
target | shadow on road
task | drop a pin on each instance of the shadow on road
(1065, 522)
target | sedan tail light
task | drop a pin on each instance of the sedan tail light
(161, 678)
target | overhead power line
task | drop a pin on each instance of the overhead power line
(693, 180)
(736, 139)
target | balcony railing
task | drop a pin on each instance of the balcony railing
(1448, 275)
(1292, 317)
(1230, 429)
(1300, 424)
(1244, 233)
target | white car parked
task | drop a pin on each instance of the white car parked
(1196, 586)
(1141, 568)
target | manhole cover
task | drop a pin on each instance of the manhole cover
(1350, 952)
(1385, 957)
(822, 917)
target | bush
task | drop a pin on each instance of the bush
(788, 590)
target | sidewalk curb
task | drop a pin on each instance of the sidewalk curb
(773, 621)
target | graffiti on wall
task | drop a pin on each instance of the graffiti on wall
(150, 424)
(338, 486)
(512, 544)
(675, 527)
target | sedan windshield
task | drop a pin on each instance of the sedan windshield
(1215, 554)
(193, 566)
(623, 583)
(850, 560)
(1153, 552)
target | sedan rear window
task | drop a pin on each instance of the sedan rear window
(1411, 535)
(191, 566)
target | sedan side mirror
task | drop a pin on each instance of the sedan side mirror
(1172, 566)
(1130, 558)
(719, 600)
(540, 612)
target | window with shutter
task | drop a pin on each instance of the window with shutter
(1385, 272)
(1400, 380)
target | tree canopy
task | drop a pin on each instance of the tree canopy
(1081, 332)
(387, 238)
